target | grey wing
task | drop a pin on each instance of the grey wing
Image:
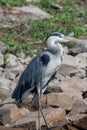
(31, 77)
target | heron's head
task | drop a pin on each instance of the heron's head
(54, 39)
(57, 37)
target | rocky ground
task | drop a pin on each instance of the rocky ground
(65, 100)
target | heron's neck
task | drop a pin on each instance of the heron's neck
(54, 49)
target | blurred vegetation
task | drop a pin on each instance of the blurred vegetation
(72, 18)
(13, 2)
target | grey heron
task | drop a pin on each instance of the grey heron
(41, 70)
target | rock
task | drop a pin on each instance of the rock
(1, 59)
(53, 89)
(9, 75)
(80, 47)
(6, 73)
(81, 121)
(78, 114)
(25, 61)
(70, 127)
(12, 60)
(70, 71)
(34, 107)
(1, 72)
(17, 70)
(31, 12)
(5, 88)
(8, 128)
(75, 65)
(57, 6)
(70, 61)
(3, 47)
(52, 115)
(76, 61)
(23, 111)
(61, 100)
(84, 94)
(7, 101)
(21, 54)
(66, 50)
(56, 100)
(82, 60)
(73, 87)
(78, 107)
(59, 77)
(71, 34)
(10, 113)
(81, 73)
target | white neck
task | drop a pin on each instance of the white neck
(54, 46)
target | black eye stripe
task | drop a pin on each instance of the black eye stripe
(55, 34)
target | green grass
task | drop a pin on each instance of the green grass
(14, 46)
(13, 2)
(71, 19)
(66, 21)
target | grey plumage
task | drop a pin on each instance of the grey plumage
(41, 69)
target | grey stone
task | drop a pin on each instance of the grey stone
(21, 54)
(62, 100)
(5, 88)
(17, 70)
(66, 50)
(1, 71)
(78, 115)
(70, 71)
(70, 61)
(78, 107)
(82, 60)
(73, 87)
(3, 47)
(24, 61)
(8, 100)
(6, 73)
(14, 65)
(12, 60)
(31, 12)
(52, 116)
(1, 59)
(79, 61)
(9, 75)
(57, 6)
(79, 47)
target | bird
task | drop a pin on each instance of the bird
(40, 71)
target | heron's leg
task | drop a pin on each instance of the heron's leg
(43, 116)
(38, 94)
(39, 114)
(33, 100)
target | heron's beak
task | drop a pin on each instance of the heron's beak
(67, 39)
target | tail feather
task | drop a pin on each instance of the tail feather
(17, 94)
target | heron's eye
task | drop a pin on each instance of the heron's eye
(60, 36)
(56, 42)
